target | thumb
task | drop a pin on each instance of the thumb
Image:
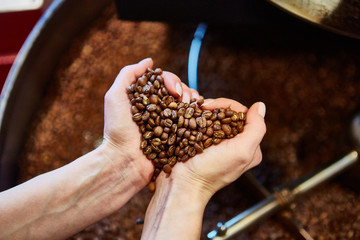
(255, 128)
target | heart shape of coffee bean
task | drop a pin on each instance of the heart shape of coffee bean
(175, 131)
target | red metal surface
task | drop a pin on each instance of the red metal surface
(14, 28)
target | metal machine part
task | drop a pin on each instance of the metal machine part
(282, 198)
(339, 16)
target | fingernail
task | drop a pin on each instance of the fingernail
(207, 102)
(186, 98)
(262, 109)
(178, 89)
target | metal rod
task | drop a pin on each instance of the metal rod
(281, 198)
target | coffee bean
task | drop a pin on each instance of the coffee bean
(186, 123)
(151, 186)
(207, 114)
(199, 137)
(158, 71)
(197, 112)
(154, 99)
(168, 123)
(226, 120)
(156, 142)
(171, 151)
(216, 140)
(173, 114)
(181, 132)
(167, 112)
(143, 144)
(191, 152)
(189, 112)
(167, 129)
(147, 150)
(192, 123)
(151, 107)
(171, 139)
(164, 136)
(158, 130)
(219, 134)
(137, 117)
(241, 116)
(226, 128)
(172, 161)
(134, 109)
(200, 101)
(156, 84)
(167, 168)
(177, 150)
(216, 127)
(174, 128)
(162, 154)
(187, 134)
(181, 112)
(208, 142)
(151, 156)
(181, 121)
(142, 81)
(198, 148)
(184, 158)
(163, 160)
(221, 116)
(145, 116)
(173, 105)
(140, 106)
(151, 122)
(201, 121)
(148, 134)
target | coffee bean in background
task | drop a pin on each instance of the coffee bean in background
(174, 131)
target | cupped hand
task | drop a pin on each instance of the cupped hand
(121, 134)
(221, 164)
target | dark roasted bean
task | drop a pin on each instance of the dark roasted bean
(148, 134)
(191, 152)
(208, 142)
(201, 121)
(181, 132)
(163, 160)
(168, 123)
(151, 107)
(140, 106)
(216, 127)
(167, 112)
(198, 148)
(226, 120)
(145, 116)
(134, 109)
(199, 137)
(219, 134)
(167, 168)
(143, 144)
(192, 123)
(147, 150)
(200, 101)
(156, 142)
(181, 121)
(226, 128)
(171, 139)
(189, 112)
(220, 116)
(164, 136)
(137, 117)
(162, 154)
(174, 128)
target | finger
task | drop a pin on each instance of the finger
(186, 93)
(194, 94)
(211, 104)
(173, 84)
(254, 129)
(129, 74)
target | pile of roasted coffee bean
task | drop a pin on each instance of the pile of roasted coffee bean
(175, 131)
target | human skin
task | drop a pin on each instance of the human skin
(177, 207)
(60, 203)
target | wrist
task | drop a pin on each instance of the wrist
(125, 163)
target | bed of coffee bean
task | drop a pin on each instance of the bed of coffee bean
(174, 131)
